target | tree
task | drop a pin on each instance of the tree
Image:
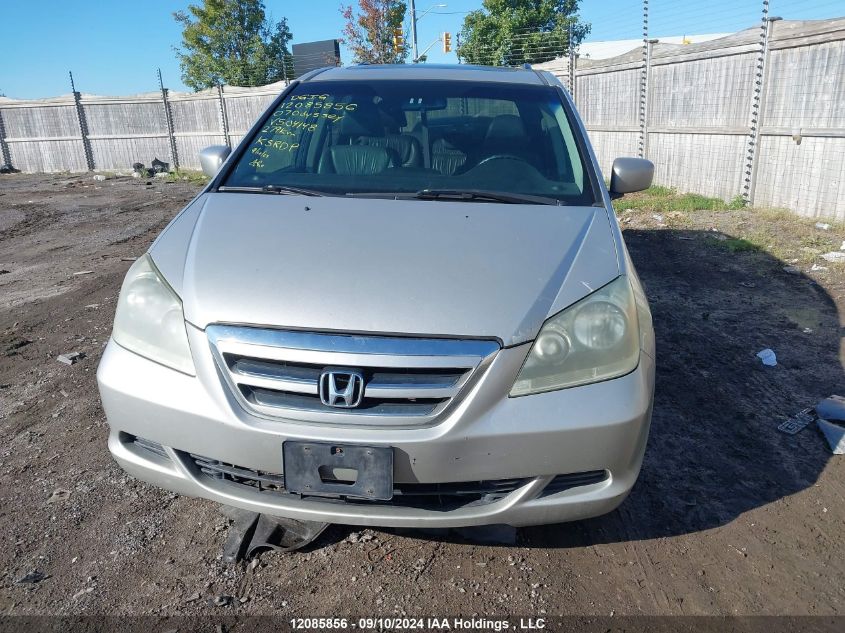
(232, 42)
(515, 32)
(369, 34)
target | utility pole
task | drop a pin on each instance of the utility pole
(414, 31)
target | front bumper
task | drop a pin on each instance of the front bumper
(489, 436)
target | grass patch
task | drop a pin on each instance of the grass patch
(188, 175)
(666, 199)
(740, 245)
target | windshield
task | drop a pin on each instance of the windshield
(403, 137)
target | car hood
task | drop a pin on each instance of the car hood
(387, 266)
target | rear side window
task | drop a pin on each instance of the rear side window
(400, 137)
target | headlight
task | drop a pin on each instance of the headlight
(149, 319)
(595, 339)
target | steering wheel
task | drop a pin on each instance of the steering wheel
(500, 157)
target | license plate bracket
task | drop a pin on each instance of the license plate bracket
(312, 468)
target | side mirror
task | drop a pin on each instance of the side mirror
(630, 175)
(212, 158)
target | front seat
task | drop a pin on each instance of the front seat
(351, 157)
(506, 136)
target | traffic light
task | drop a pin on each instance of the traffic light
(398, 37)
(447, 42)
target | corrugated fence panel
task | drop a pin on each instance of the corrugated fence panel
(125, 118)
(48, 156)
(609, 146)
(702, 93)
(242, 111)
(41, 121)
(122, 153)
(710, 164)
(808, 87)
(608, 98)
(808, 178)
(196, 115)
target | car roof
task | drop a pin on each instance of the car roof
(433, 72)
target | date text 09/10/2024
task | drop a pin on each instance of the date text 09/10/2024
(418, 624)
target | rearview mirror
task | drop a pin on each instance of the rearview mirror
(212, 158)
(630, 175)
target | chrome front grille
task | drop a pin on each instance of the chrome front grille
(406, 381)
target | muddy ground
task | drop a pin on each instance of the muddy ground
(729, 515)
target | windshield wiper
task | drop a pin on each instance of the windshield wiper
(472, 195)
(281, 189)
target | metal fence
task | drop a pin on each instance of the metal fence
(759, 114)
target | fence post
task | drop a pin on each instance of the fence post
(644, 82)
(83, 125)
(222, 117)
(5, 155)
(761, 80)
(168, 118)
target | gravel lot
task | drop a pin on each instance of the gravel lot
(729, 515)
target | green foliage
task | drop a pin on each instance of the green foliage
(515, 32)
(369, 32)
(736, 203)
(662, 199)
(232, 42)
(740, 245)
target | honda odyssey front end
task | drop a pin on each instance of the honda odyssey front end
(403, 300)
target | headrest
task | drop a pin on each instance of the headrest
(506, 127)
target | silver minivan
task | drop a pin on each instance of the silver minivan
(402, 300)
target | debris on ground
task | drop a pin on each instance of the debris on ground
(834, 434)
(59, 494)
(797, 423)
(252, 533)
(768, 357)
(824, 226)
(834, 256)
(159, 166)
(32, 578)
(82, 272)
(657, 217)
(71, 358)
(816, 268)
(792, 270)
(832, 408)
(99, 178)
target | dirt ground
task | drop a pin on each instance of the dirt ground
(729, 515)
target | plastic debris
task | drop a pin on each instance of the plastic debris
(834, 434)
(797, 423)
(832, 408)
(824, 226)
(768, 357)
(252, 533)
(834, 256)
(817, 268)
(159, 166)
(60, 494)
(82, 272)
(32, 578)
(71, 358)
(99, 178)
(657, 217)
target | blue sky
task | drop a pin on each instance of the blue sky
(114, 46)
